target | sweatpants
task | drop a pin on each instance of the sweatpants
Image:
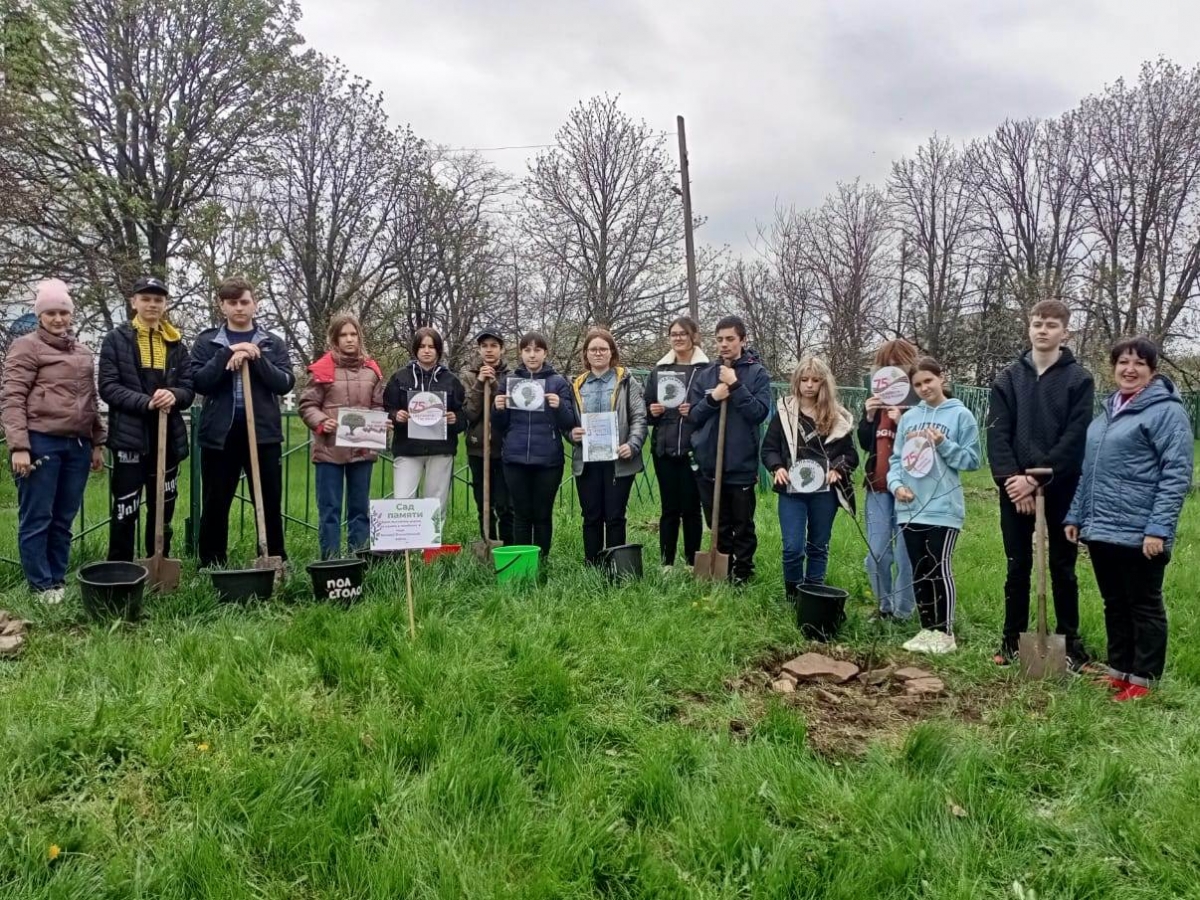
(1135, 617)
(603, 499)
(736, 535)
(131, 474)
(220, 472)
(502, 514)
(931, 551)
(437, 472)
(1017, 531)
(533, 489)
(680, 500)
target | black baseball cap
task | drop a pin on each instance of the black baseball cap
(489, 333)
(148, 284)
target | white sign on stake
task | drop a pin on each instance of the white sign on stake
(406, 524)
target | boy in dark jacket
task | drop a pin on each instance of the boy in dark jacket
(145, 370)
(489, 367)
(1041, 407)
(217, 360)
(739, 379)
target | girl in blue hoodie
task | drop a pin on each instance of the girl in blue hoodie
(533, 424)
(935, 441)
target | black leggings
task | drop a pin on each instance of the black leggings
(680, 505)
(931, 550)
(532, 490)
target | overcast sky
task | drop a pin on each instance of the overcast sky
(782, 99)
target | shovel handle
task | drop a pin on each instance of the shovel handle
(160, 485)
(260, 516)
(487, 460)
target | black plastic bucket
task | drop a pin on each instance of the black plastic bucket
(622, 561)
(340, 580)
(820, 611)
(112, 590)
(240, 585)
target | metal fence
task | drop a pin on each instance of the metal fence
(299, 505)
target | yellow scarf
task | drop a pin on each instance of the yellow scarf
(152, 343)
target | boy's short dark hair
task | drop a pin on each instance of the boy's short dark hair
(233, 287)
(1141, 347)
(1051, 309)
(734, 322)
(419, 337)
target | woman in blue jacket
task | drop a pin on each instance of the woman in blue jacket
(1137, 469)
(534, 421)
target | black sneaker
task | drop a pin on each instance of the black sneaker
(1078, 659)
(1006, 654)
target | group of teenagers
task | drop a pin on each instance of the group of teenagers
(1118, 481)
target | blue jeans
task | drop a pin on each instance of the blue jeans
(885, 546)
(806, 523)
(353, 481)
(48, 499)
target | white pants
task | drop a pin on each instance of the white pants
(438, 470)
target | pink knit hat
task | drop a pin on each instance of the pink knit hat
(52, 296)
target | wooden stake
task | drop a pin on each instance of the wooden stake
(688, 241)
(412, 617)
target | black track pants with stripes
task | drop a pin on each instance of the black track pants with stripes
(931, 549)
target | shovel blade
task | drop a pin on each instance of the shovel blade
(711, 566)
(164, 573)
(483, 550)
(1042, 655)
(271, 562)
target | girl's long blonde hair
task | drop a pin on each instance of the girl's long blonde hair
(829, 410)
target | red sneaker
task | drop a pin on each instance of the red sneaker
(1133, 692)
(1117, 684)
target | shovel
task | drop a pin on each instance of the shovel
(714, 565)
(1041, 655)
(483, 549)
(262, 561)
(164, 573)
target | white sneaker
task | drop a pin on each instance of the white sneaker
(919, 642)
(52, 597)
(942, 643)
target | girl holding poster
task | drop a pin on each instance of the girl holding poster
(809, 451)
(425, 400)
(666, 396)
(885, 542)
(610, 411)
(344, 383)
(533, 411)
(936, 440)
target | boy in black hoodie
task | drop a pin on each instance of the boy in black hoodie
(1041, 407)
(739, 379)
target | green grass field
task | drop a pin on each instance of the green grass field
(579, 740)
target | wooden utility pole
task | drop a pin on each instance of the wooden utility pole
(688, 241)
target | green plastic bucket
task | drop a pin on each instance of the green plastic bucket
(516, 563)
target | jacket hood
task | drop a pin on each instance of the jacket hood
(544, 372)
(1161, 389)
(476, 364)
(698, 358)
(1065, 358)
(842, 426)
(324, 368)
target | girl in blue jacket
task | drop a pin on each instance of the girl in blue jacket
(534, 421)
(1137, 470)
(935, 441)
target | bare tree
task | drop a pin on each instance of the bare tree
(752, 292)
(933, 209)
(145, 108)
(602, 206)
(1141, 162)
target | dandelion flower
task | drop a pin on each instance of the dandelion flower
(202, 747)
(53, 853)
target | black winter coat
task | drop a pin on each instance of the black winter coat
(412, 378)
(1040, 422)
(271, 377)
(672, 432)
(535, 438)
(834, 450)
(123, 386)
(749, 406)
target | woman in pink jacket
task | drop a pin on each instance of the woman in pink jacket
(51, 419)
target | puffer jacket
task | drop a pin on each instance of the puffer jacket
(835, 450)
(1137, 469)
(672, 432)
(50, 387)
(473, 407)
(410, 379)
(271, 377)
(126, 387)
(339, 382)
(536, 438)
(749, 406)
(630, 406)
